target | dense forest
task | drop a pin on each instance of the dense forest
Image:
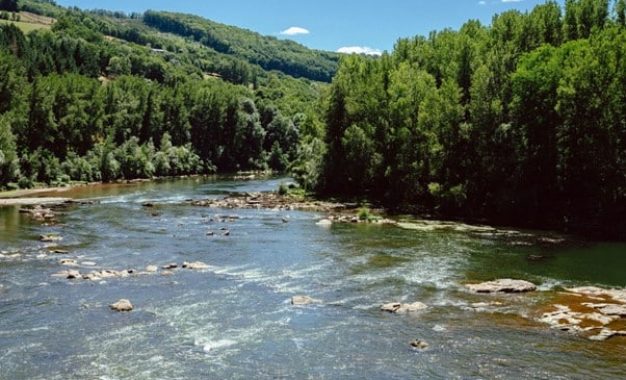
(98, 96)
(520, 122)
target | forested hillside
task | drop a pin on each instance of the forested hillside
(268, 52)
(99, 96)
(521, 122)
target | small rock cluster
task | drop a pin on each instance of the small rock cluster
(39, 213)
(268, 201)
(596, 313)
(99, 275)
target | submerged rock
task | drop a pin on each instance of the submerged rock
(484, 306)
(170, 266)
(399, 308)
(607, 334)
(503, 286)
(60, 251)
(122, 305)
(39, 213)
(618, 295)
(303, 300)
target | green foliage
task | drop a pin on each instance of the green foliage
(283, 189)
(268, 52)
(9, 169)
(87, 102)
(509, 122)
(365, 215)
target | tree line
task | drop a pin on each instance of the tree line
(76, 110)
(521, 122)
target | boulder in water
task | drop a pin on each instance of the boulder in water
(152, 269)
(503, 286)
(198, 265)
(607, 334)
(170, 266)
(613, 309)
(122, 305)
(399, 308)
(419, 344)
(50, 238)
(68, 262)
(325, 223)
(303, 300)
(73, 274)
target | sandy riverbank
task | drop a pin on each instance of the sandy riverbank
(29, 197)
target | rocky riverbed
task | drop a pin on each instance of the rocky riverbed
(120, 285)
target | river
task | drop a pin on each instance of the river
(235, 319)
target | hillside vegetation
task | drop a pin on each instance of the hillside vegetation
(101, 96)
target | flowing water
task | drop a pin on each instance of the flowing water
(235, 320)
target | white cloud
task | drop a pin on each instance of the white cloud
(359, 50)
(482, 2)
(294, 31)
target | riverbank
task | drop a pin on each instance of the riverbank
(43, 194)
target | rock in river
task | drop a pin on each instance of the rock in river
(503, 286)
(398, 308)
(419, 344)
(152, 269)
(613, 309)
(68, 262)
(303, 300)
(606, 334)
(122, 305)
(198, 265)
(50, 238)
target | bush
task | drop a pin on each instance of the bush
(78, 168)
(25, 183)
(283, 189)
(365, 214)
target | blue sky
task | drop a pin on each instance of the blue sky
(329, 24)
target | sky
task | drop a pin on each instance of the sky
(369, 26)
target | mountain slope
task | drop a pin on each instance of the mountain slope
(268, 52)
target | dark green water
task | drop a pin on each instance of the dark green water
(234, 320)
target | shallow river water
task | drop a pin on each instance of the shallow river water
(235, 320)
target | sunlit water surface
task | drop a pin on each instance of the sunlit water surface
(235, 319)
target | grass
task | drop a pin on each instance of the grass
(26, 27)
(30, 21)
